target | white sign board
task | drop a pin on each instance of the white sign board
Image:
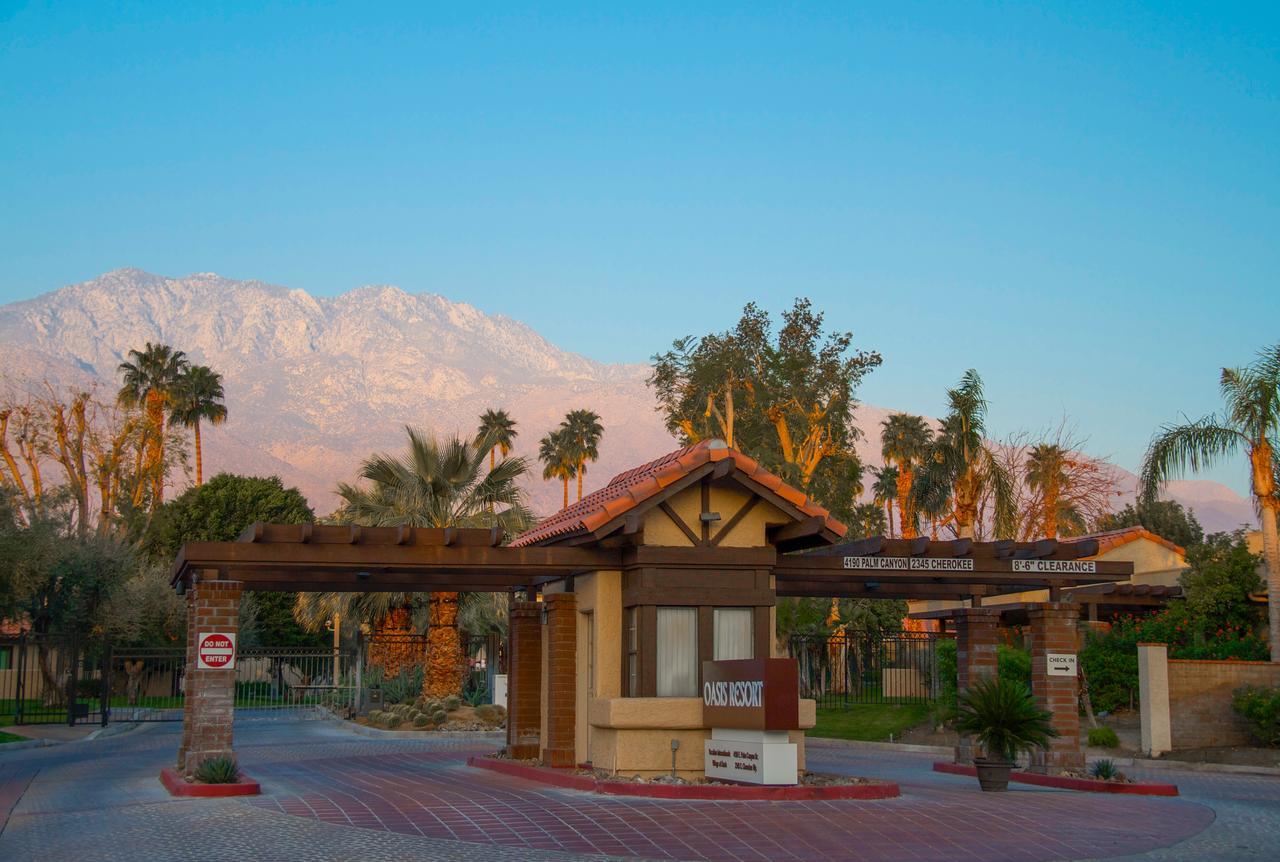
(751, 757)
(216, 651)
(1056, 567)
(1062, 663)
(912, 564)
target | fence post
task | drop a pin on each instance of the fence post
(20, 693)
(359, 696)
(73, 664)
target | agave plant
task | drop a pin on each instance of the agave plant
(1103, 769)
(1002, 716)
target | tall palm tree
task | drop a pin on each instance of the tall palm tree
(1251, 423)
(1046, 475)
(583, 431)
(150, 380)
(439, 484)
(199, 397)
(885, 492)
(500, 429)
(972, 468)
(905, 442)
(559, 461)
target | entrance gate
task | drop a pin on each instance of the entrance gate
(881, 667)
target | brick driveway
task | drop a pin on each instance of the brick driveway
(329, 795)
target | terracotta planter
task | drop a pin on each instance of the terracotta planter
(993, 775)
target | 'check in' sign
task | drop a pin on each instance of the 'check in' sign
(1062, 663)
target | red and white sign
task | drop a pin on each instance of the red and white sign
(216, 651)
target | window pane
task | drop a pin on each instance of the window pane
(735, 633)
(677, 652)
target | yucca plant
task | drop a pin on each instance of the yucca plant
(217, 770)
(1002, 716)
(1103, 769)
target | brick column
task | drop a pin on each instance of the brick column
(1054, 630)
(209, 702)
(559, 746)
(524, 679)
(976, 642)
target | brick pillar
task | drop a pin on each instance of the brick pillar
(524, 679)
(559, 746)
(976, 641)
(209, 702)
(1054, 630)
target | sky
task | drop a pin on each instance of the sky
(1081, 201)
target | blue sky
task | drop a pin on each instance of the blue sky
(1080, 200)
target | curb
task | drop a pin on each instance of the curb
(179, 786)
(1063, 782)
(722, 793)
(26, 744)
(424, 735)
(1195, 766)
(867, 745)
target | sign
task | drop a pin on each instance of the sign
(216, 651)
(1062, 663)
(912, 564)
(1056, 567)
(751, 694)
(751, 757)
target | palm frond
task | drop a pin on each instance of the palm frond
(1177, 448)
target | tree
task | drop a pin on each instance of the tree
(868, 520)
(785, 400)
(198, 397)
(1046, 475)
(970, 468)
(905, 443)
(1251, 423)
(559, 461)
(885, 492)
(438, 484)
(1221, 577)
(499, 428)
(150, 379)
(1055, 489)
(219, 511)
(1166, 518)
(582, 431)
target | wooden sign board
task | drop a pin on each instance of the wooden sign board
(751, 694)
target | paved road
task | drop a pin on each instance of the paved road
(331, 795)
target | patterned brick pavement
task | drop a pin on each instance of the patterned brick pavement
(329, 795)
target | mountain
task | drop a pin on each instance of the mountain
(316, 384)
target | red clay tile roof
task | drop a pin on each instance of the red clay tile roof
(1109, 539)
(627, 490)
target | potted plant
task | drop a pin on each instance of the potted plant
(1002, 716)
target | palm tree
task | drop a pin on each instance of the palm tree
(885, 492)
(583, 431)
(555, 451)
(438, 484)
(1046, 475)
(150, 380)
(971, 466)
(198, 397)
(905, 442)
(498, 428)
(1251, 423)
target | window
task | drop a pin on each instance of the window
(677, 652)
(734, 633)
(633, 652)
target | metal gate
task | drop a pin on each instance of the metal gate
(894, 667)
(52, 679)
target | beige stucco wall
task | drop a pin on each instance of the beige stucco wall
(747, 533)
(599, 601)
(632, 735)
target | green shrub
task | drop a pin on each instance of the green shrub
(452, 702)
(375, 716)
(1002, 716)
(439, 715)
(404, 686)
(1103, 769)
(1014, 664)
(486, 713)
(1261, 708)
(1103, 737)
(217, 770)
(392, 720)
(421, 720)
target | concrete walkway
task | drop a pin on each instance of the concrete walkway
(332, 795)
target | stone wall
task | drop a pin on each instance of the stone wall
(1200, 694)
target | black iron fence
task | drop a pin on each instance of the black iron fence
(894, 667)
(51, 679)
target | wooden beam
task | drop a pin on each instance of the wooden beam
(679, 522)
(811, 526)
(737, 517)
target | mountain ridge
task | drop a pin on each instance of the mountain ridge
(316, 384)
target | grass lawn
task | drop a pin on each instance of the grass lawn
(869, 721)
(10, 737)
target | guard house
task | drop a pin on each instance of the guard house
(671, 564)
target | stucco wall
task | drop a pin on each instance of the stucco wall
(1200, 694)
(747, 533)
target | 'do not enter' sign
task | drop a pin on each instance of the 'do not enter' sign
(216, 651)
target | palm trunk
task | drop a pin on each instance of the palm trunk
(565, 479)
(580, 472)
(199, 457)
(906, 510)
(1271, 554)
(446, 661)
